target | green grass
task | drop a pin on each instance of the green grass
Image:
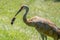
(20, 31)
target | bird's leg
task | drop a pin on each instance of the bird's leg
(56, 38)
(43, 36)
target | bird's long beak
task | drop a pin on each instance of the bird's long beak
(12, 21)
(18, 11)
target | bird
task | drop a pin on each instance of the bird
(44, 26)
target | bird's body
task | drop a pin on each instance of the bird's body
(42, 25)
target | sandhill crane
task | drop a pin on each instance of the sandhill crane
(43, 26)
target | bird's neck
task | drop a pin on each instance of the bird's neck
(25, 16)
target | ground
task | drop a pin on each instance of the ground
(49, 9)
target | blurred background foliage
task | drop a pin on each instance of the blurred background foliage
(49, 9)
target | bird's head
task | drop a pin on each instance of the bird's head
(22, 7)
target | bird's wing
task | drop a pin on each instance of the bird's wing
(42, 20)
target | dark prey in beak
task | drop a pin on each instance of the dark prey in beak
(12, 21)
